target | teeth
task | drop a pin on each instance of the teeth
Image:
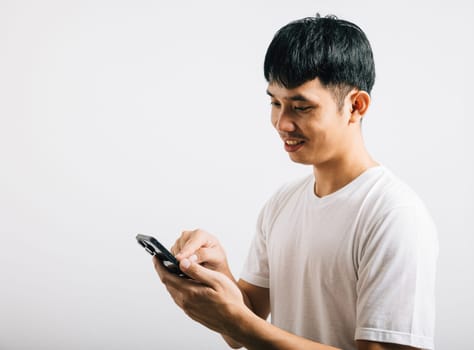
(292, 142)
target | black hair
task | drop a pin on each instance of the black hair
(335, 51)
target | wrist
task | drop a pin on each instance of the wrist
(225, 270)
(242, 325)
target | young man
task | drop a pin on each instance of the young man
(344, 258)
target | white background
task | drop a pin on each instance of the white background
(119, 117)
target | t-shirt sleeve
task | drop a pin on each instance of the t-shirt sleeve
(255, 270)
(396, 279)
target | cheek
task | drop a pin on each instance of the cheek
(321, 136)
(331, 138)
(315, 130)
(274, 119)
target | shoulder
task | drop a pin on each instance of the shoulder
(393, 213)
(389, 193)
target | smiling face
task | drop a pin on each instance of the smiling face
(314, 128)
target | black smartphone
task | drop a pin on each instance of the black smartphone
(155, 248)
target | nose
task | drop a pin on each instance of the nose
(282, 121)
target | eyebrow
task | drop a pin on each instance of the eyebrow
(296, 97)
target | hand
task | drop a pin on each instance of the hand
(210, 298)
(203, 248)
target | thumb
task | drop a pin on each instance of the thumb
(199, 273)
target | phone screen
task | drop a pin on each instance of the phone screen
(155, 248)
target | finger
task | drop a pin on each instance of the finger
(204, 255)
(199, 273)
(160, 269)
(196, 240)
(166, 277)
(176, 248)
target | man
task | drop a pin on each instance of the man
(344, 258)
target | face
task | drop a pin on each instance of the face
(313, 128)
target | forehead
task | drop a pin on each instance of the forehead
(312, 90)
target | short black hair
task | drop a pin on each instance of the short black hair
(335, 51)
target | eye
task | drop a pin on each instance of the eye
(302, 109)
(275, 104)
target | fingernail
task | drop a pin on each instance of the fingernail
(185, 263)
(193, 258)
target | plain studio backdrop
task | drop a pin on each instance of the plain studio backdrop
(120, 117)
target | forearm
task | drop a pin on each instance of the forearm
(228, 339)
(231, 342)
(255, 333)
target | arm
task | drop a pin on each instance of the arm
(205, 249)
(369, 345)
(256, 299)
(396, 279)
(215, 301)
(237, 310)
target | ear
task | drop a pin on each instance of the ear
(360, 101)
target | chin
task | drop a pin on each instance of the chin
(312, 160)
(300, 160)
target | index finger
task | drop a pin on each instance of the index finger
(197, 239)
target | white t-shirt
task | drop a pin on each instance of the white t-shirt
(356, 264)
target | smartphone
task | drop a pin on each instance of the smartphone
(155, 248)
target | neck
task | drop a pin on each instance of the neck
(338, 172)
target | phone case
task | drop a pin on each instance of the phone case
(155, 248)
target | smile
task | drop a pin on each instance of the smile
(293, 145)
(293, 142)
